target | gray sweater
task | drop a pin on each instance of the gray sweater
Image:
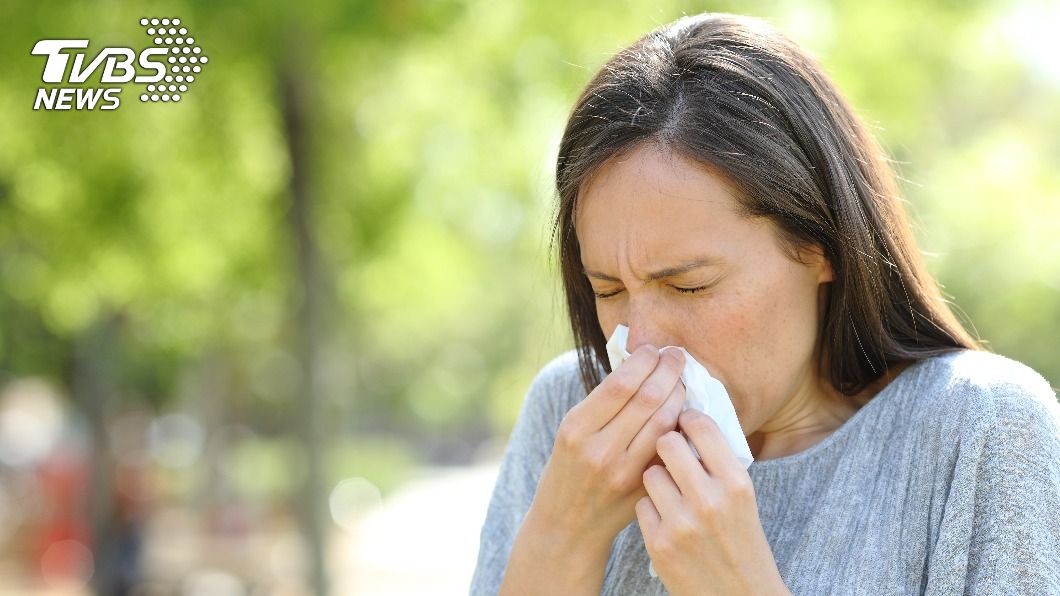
(946, 482)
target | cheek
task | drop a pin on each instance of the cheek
(777, 320)
(758, 337)
(607, 320)
(611, 313)
(779, 327)
(740, 332)
(608, 313)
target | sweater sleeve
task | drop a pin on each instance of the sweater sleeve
(1000, 528)
(528, 450)
(1015, 539)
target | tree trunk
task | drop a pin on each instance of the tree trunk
(306, 305)
(92, 385)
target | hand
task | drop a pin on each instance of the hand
(593, 479)
(700, 519)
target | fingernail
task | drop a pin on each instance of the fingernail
(674, 353)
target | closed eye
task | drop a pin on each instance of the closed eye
(690, 290)
(678, 288)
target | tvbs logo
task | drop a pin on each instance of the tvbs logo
(168, 68)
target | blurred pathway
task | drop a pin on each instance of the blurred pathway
(423, 539)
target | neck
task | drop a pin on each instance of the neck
(811, 415)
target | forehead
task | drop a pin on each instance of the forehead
(660, 200)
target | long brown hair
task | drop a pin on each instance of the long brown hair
(736, 95)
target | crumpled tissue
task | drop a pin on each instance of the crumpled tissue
(702, 392)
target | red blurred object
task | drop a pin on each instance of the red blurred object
(63, 482)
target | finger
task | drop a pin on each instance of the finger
(648, 517)
(655, 461)
(687, 471)
(706, 435)
(642, 447)
(663, 492)
(651, 396)
(612, 394)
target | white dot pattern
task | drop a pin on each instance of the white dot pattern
(184, 57)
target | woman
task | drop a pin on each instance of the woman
(718, 194)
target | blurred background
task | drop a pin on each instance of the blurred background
(272, 339)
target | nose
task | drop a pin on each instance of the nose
(646, 327)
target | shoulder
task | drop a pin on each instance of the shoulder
(982, 393)
(557, 387)
(990, 370)
(987, 379)
(560, 369)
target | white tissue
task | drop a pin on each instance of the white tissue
(702, 392)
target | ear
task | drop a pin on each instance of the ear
(814, 258)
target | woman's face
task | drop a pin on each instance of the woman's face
(668, 256)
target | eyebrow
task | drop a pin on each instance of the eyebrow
(662, 273)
